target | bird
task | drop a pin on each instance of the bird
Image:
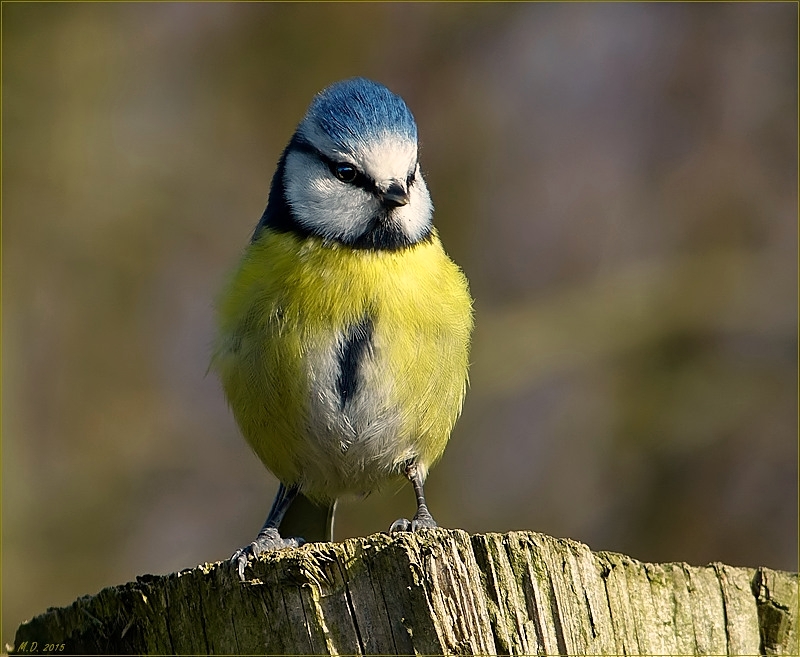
(343, 333)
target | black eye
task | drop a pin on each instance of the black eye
(345, 172)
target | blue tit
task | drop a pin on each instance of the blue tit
(343, 334)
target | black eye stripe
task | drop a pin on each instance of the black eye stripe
(361, 180)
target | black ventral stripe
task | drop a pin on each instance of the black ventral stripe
(357, 344)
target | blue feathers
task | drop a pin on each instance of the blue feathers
(358, 110)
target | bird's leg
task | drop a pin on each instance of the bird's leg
(422, 518)
(268, 538)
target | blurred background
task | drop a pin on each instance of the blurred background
(619, 182)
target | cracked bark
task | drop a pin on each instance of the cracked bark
(436, 592)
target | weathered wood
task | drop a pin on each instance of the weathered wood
(435, 592)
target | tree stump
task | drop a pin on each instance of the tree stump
(434, 592)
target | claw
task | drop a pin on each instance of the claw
(400, 525)
(267, 540)
(423, 520)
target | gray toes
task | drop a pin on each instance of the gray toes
(267, 541)
(400, 525)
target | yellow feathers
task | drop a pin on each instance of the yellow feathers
(340, 364)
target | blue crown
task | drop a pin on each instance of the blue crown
(357, 110)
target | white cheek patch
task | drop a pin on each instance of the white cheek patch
(321, 203)
(332, 209)
(415, 216)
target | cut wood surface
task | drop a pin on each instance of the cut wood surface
(434, 592)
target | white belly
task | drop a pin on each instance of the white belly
(357, 436)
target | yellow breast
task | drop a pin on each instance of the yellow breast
(284, 322)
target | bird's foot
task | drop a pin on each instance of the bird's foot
(421, 520)
(400, 525)
(267, 540)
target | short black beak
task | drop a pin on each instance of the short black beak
(395, 196)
